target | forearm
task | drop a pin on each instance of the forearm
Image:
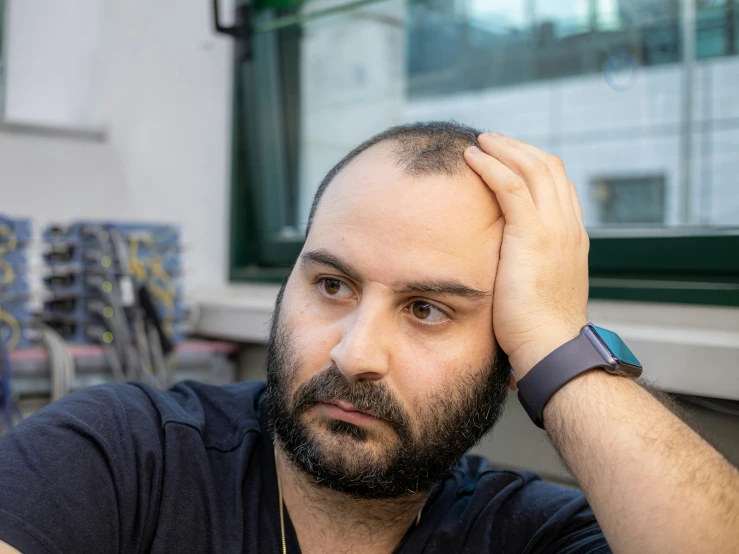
(653, 483)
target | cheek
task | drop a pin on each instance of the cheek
(311, 340)
(432, 368)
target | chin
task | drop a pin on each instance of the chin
(349, 446)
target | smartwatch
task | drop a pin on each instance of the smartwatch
(593, 348)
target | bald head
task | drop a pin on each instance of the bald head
(419, 149)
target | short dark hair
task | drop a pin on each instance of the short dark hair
(423, 148)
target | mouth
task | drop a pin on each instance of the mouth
(347, 412)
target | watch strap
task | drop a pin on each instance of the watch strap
(553, 372)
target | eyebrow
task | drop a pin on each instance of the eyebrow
(449, 286)
(322, 257)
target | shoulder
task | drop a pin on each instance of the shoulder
(496, 510)
(126, 453)
(508, 492)
(221, 415)
(522, 491)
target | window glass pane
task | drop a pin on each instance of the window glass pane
(567, 18)
(499, 16)
(648, 135)
(629, 201)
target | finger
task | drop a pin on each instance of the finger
(534, 172)
(576, 204)
(510, 190)
(557, 169)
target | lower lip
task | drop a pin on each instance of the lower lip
(357, 418)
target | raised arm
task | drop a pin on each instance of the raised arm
(654, 485)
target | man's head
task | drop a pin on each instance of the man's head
(382, 364)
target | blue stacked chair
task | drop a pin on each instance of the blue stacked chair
(15, 318)
(95, 268)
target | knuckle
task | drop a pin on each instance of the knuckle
(485, 170)
(514, 183)
(586, 241)
(581, 238)
(576, 233)
(485, 164)
(542, 170)
(555, 162)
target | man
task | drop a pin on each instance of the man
(433, 260)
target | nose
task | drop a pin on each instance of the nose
(364, 349)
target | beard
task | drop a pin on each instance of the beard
(410, 456)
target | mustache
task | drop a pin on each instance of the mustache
(371, 397)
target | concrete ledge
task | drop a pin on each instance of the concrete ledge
(684, 349)
(51, 131)
(236, 312)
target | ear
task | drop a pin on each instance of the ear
(512, 382)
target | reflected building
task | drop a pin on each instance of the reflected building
(601, 86)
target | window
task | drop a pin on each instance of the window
(2, 58)
(629, 201)
(717, 23)
(646, 123)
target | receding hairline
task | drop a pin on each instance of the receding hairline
(406, 158)
(422, 148)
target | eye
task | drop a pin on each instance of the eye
(427, 312)
(334, 288)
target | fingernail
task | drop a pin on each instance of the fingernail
(497, 134)
(472, 151)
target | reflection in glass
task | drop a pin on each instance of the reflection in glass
(600, 83)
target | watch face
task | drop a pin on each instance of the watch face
(617, 347)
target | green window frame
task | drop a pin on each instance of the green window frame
(684, 266)
(260, 250)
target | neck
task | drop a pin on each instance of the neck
(331, 521)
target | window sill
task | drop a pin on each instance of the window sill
(86, 134)
(685, 349)
(236, 312)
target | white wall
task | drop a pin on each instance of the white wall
(52, 61)
(163, 95)
(51, 178)
(166, 101)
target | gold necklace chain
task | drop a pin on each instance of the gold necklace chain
(282, 509)
(282, 506)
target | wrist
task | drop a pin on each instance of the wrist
(559, 360)
(526, 357)
(594, 384)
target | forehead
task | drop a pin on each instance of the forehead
(394, 226)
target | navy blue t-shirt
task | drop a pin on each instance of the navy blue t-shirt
(128, 469)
